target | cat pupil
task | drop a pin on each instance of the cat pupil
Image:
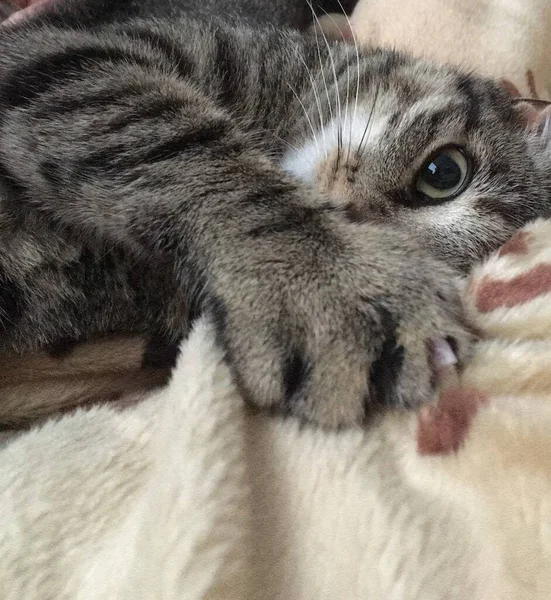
(443, 173)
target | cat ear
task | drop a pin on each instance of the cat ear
(535, 115)
(509, 87)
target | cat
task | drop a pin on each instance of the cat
(318, 200)
(297, 14)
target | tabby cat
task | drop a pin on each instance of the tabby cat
(318, 200)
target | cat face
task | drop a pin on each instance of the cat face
(440, 154)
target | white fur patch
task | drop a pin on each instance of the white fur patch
(355, 129)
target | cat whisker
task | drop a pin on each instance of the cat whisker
(545, 131)
(290, 146)
(356, 48)
(322, 69)
(316, 141)
(347, 101)
(318, 100)
(367, 130)
(338, 98)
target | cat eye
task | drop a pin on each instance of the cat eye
(444, 175)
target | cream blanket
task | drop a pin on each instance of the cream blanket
(188, 496)
(499, 38)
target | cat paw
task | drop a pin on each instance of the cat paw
(329, 334)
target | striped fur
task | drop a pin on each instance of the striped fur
(141, 184)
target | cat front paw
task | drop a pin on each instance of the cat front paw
(332, 333)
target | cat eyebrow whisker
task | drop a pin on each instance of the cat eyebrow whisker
(367, 130)
(336, 81)
(318, 101)
(357, 76)
(307, 117)
(321, 65)
(347, 101)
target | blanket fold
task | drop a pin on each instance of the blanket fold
(187, 495)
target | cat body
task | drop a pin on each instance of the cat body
(295, 14)
(153, 168)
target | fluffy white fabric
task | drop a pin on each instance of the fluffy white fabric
(498, 38)
(187, 495)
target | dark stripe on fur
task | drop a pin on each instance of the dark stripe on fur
(11, 302)
(51, 172)
(171, 50)
(465, 89)
(291, 221)
(64, 106)
(386, 369)
(114, 159)
(227, 68)
(153, 108)
(201, 136)
(297, 371)
(160, 353)
(62, 348)
(35, 78)
(12, 189)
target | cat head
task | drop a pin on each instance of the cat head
(449, 157)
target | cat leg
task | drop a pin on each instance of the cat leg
(319, 317)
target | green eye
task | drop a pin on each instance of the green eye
(444, 175)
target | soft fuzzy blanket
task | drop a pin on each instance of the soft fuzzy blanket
(188, 495)
(508, 39)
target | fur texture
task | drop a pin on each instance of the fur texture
(283, 13)
(189, 495)
(143, 170)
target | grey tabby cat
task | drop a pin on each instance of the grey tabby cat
(318, 200)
